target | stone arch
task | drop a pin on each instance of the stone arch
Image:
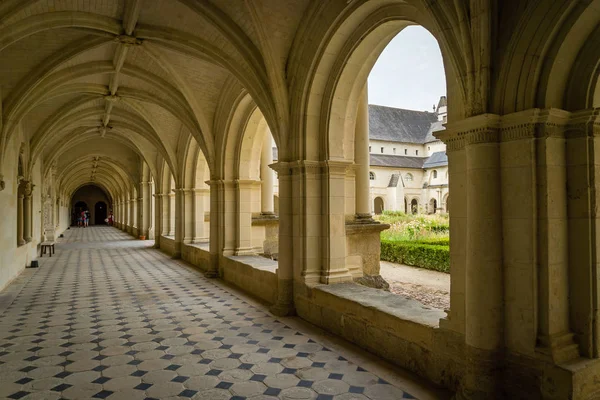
(352, 48)
(414, 206)
(432, 206)
(542, 54)
(378, 205)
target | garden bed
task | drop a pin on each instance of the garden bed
(416, 240)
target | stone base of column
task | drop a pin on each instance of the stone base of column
(156, 244)
(282, 310)
(558, 348)
(483, 375)
(268, 215)
(284, 305)
(245, 251)
(27, 239)
(213, 267)
(337, 275)
(21, 242)
(364, 219)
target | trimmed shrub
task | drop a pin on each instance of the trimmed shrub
(442, 241)
(430, 256)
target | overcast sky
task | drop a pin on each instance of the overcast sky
(409, 73)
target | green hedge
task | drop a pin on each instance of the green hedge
(435, 241)
(429, 256)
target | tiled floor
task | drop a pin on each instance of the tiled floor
(109, 317)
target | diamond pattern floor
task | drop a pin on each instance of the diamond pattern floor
(109, 318)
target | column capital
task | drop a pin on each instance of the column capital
(246, 182)
(337, 167)
(483, 128)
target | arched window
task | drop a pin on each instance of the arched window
(372, 175)
(408, 177)
(434, 174)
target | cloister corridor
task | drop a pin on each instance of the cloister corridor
(109, 317)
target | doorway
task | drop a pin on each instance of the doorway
(378, 205)
(100, 213)
(77, 209)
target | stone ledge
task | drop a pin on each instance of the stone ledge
(354, 228)
(255, 275)
(385, 302)
(263, 220)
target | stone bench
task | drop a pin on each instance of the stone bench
(45, 246)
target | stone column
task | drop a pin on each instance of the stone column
(20, 197)
(188, 216)
(165, 213)
(132, 214)
(483, 275)
(362, 159)
(200, 234)
(216, 235)
(158, 216)
(172, 213)
(285, 268)
(555, 339)
(145, 207)
(27, 223)
(243, 237)
(333, 256)
(179, 220)
(266, 177)
(125, 215)
(583, 177)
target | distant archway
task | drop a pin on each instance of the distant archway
(378, 205)
(100, 213)
(77, 209)
(432, 206)
(414, 206)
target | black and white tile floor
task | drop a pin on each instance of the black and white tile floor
(108, 317)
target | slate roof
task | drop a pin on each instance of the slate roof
(389, 160)
(435, 127)
(394, 180)
(437, 159)
(400, 125)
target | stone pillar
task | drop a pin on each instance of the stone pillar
(243, 237)
(165, 208)
(200, 234)
(158, 219)
(216, 235)
(285, 268)
(125, 214)
(362, 159)
(477, 140)
(188, 216)
(334, 241)
(266, 177)
(145, 208)
(20, 197)
(27, 208)
(583, 177)
(132, 214)
(172, 213)
(179, 220)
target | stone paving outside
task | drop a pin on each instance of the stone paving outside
(107, 317)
